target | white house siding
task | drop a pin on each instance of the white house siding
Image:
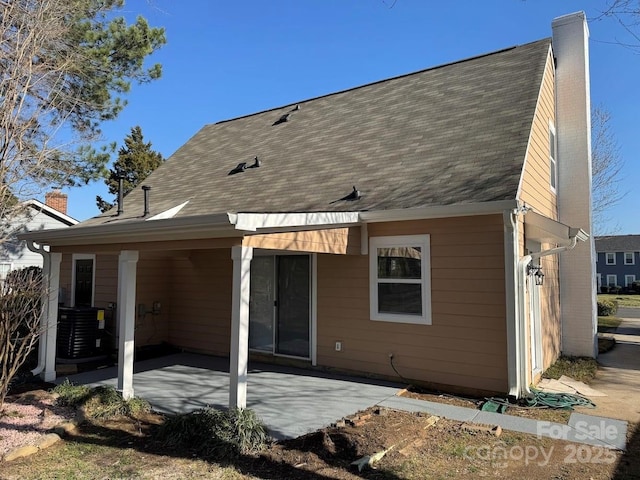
(16, 253)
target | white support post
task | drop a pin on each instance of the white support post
(239, 326)
(51, 326)
(127, 263)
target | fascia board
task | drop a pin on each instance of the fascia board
(203, 226)
(51, 211)
(439, 211)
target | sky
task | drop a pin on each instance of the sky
(225, 59)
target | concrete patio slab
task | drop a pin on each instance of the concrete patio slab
(291, 402)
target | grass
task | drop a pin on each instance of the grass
(582, 369)
(630, 301)
(609, 322)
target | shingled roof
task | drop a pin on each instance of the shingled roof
(453, 134)
(618, 243)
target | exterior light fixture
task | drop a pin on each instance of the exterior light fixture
(538, 276)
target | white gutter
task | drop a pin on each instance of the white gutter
(438, 211)
(44, 314)
(201, 226)
(575, 235)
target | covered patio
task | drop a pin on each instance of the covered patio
(291, 401)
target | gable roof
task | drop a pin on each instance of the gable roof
(51, 212)
(618, 243)
(454, 134)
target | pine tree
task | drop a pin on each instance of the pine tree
(136, 160)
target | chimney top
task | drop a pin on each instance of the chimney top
(56, 200)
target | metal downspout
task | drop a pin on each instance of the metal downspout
(511, 297)
(44, 312)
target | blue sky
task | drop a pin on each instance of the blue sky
(224, 59)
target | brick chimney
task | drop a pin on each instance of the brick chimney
(56, 200)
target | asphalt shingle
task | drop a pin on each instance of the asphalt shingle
(452, 134)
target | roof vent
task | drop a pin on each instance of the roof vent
(239, 169)
(256, 163)
(282, 119)
(145, 189)
(354, 195)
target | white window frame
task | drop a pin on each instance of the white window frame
(633, 258)
(628, 280)
(422, 241)
(615, 279)
(613, 258)
(553, 158)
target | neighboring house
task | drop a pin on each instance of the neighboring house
(36, 216)
(471, 180)
(618, 261)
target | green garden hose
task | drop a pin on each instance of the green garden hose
(557, 400)
(540, 399)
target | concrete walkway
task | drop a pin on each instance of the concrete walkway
(586, 429)
(619, 372)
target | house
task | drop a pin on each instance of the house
(36, 216)
(410, 221)
(618, 261)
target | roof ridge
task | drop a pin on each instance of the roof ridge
(377, 82)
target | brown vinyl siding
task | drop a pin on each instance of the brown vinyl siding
(466, 344)
(536, 192)
(153, 283)
(200, 301)
(334, 240)
(536, 188)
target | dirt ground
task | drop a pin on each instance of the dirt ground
(419, 448)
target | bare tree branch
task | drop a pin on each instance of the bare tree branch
(20, 304)
(607, 165)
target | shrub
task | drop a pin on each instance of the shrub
(215, 433)
(101, 401)
(607, 307)
(70, 394)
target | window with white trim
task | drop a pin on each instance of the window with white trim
(628, 280)
(553, 157)
(629, 258)
(612, 280)
(400, 279)
(610, 258)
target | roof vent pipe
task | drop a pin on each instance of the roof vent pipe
(120, 194)
(145, 189)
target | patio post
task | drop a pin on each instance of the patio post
(239, 326)
(127, 263)
(51, 325)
